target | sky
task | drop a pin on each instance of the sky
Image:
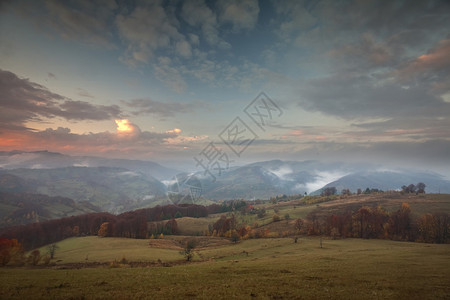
(183, 82)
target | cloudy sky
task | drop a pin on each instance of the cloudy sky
(162, 80)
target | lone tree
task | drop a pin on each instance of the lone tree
(188, 249)
(51, 249)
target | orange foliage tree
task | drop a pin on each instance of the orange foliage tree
(11, 251)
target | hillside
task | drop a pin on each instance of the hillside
(24, 208)
(111, 189)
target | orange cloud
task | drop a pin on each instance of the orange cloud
(174, 131)
(435, 60)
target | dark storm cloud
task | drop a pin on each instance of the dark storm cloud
(22, 100)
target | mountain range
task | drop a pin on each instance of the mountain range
(50, 160)
(118, 185)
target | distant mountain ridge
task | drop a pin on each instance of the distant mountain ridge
(270, 178)
(52, 160)
(390, 180)
(116, 185)
(111, 189)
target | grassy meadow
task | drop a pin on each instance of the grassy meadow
(266, 268)
(272, 269)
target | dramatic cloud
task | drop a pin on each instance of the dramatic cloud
(22, 101)
(197, 14)
(147, 29)
(356, 79)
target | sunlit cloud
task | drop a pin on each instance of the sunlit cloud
(125, 127)
(174, 131)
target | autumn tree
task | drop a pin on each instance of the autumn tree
(171, 227)
(299, 224)
(400, 223)
(427, 228)
(104, 230)
(34, 257)
(76, 230)
(10, 251)
(224, 225)
(313, 225)
(361, 221)
(442, 227)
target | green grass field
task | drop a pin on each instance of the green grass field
(273, 269)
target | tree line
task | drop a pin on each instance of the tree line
(377, 223)
(134, 224)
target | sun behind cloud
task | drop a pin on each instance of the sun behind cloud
(126, 129)
(124, 126)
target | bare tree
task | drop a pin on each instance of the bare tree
(51, 249)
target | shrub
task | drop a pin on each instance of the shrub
(34, 257)
(276, 218)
